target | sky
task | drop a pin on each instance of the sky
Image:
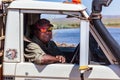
(112, 9)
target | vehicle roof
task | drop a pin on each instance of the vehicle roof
(44, 5)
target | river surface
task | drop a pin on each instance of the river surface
(72, 36)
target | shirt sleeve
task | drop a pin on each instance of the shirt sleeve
(33, 53)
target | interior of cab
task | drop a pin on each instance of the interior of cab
(70, 50)
(67, 50)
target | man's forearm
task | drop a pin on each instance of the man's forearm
(47, 59)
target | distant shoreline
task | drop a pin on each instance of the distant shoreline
(78, 27)
(111, 21)
(114, 27)
(108, 21)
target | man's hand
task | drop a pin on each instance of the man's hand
(48, 59)
(61, 59)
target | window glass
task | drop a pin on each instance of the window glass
(65, 33)
(96, 54)
(66, 30)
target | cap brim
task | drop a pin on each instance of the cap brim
(50, 25)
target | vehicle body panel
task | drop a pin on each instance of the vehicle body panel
(14, 66)
(24, 70)
(100, 72)
(42, 5)
(51, 71)
(9, 69)
(12, 39)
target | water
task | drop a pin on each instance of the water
(115, 32)
(72, 36)
(67, 36)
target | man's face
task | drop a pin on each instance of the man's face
(44, 33)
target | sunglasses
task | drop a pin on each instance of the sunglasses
(43, 30)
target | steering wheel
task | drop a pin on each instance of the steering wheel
(75, 58)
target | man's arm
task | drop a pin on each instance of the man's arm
(37, 55)
(47, 59)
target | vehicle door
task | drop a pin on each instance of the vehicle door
(66, 36)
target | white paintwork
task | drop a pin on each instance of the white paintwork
(51, 71)
(44, 5)
(21, 37)
(101, 72)
(85, 14)
(12, 38)
(9, 69)
(84, 43)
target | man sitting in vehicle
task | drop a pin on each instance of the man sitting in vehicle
(41, 49)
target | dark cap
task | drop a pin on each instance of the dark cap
(42, 22)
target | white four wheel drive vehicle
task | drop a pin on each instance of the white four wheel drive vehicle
(22, 14)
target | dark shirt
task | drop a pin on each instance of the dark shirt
(35, 49)
(49, 48)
